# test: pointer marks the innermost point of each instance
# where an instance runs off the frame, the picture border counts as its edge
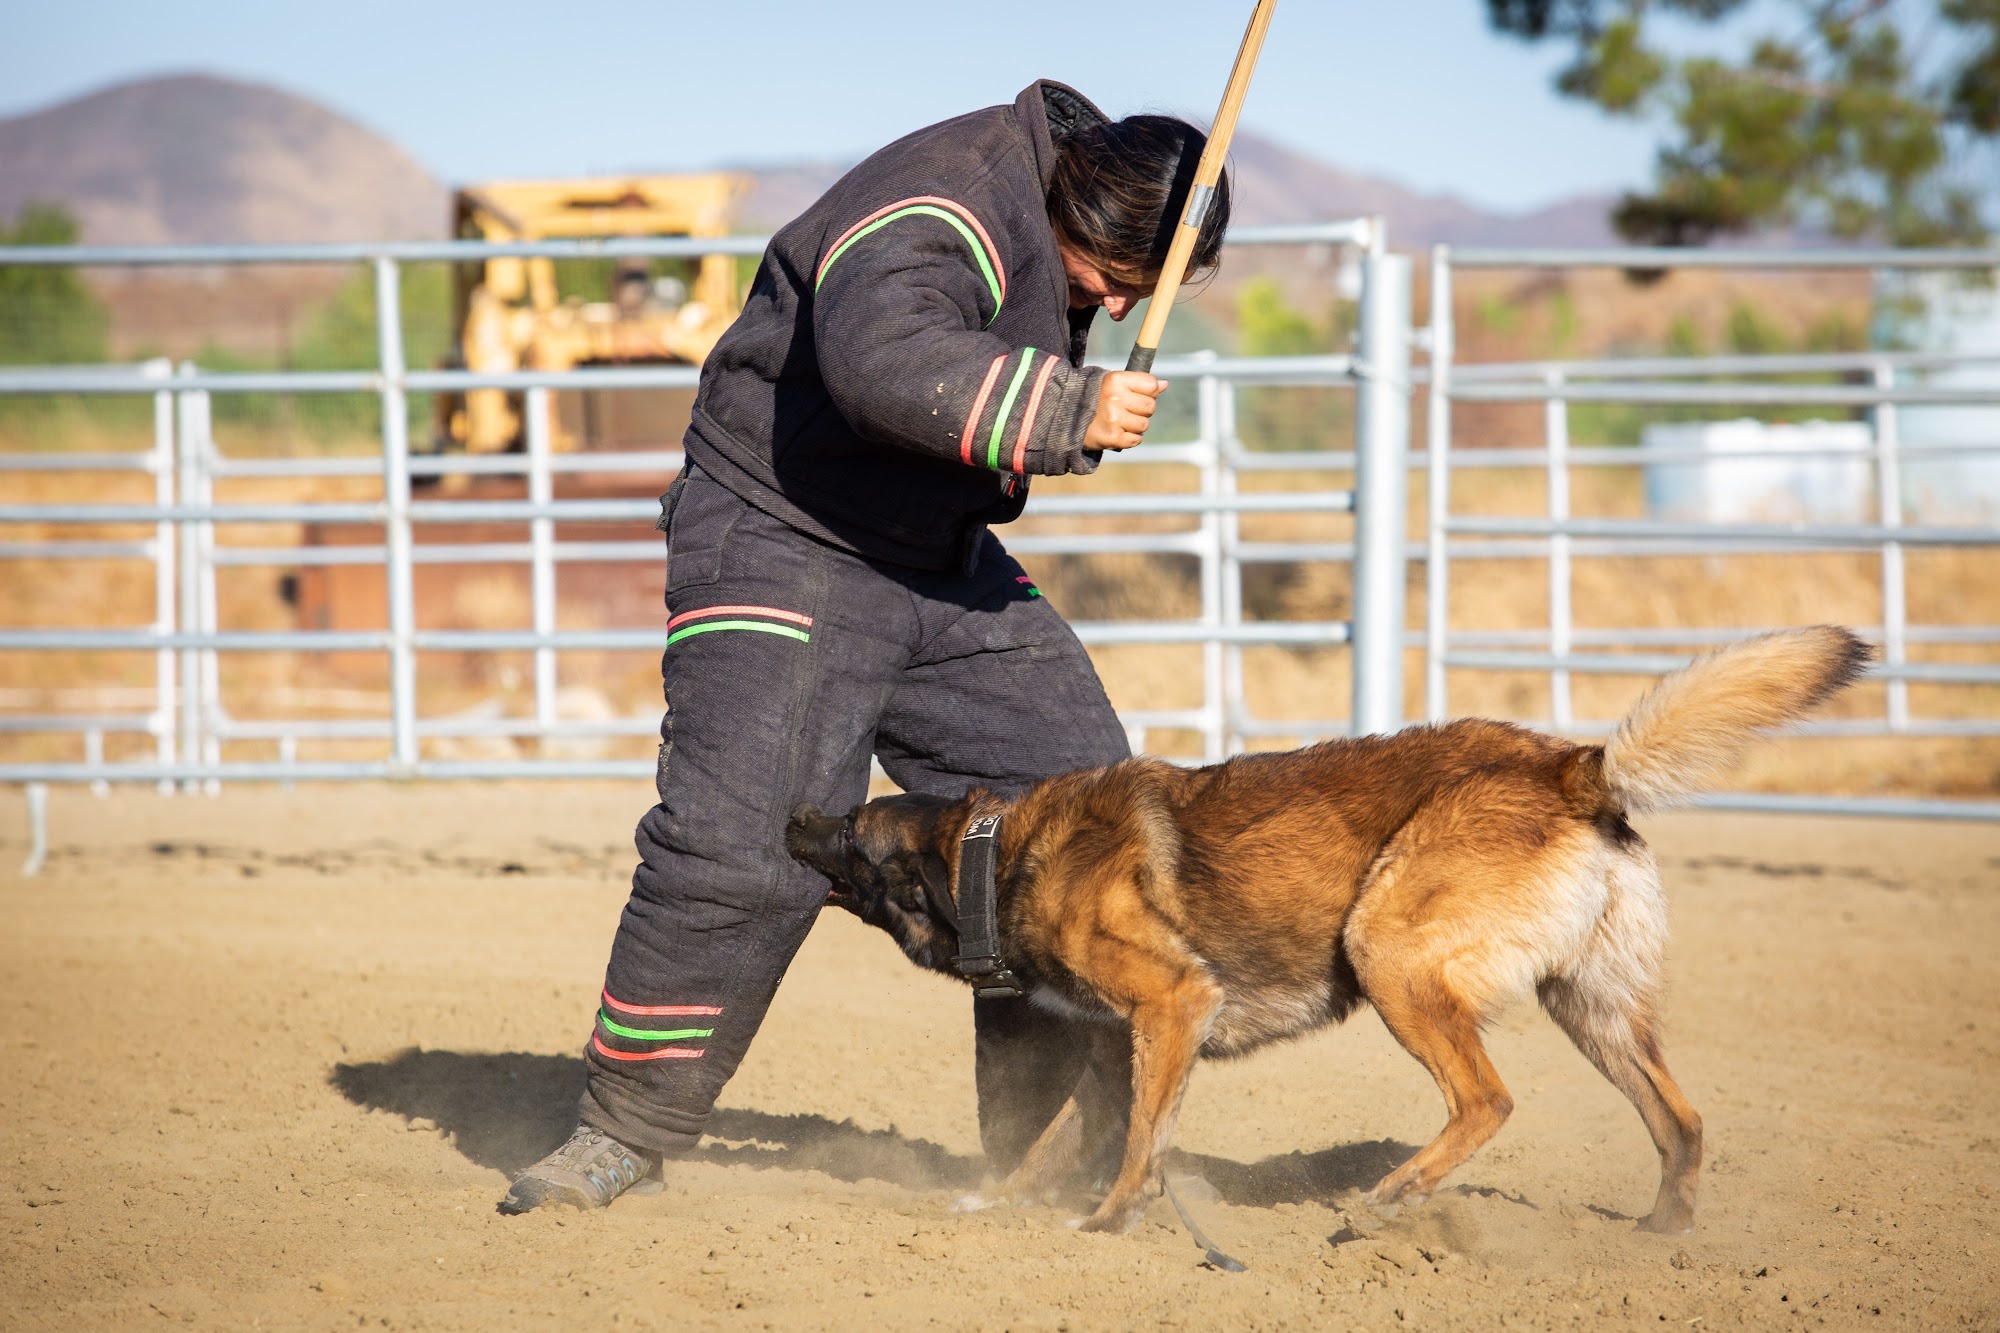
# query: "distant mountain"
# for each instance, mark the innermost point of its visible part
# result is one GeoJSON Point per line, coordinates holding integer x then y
{"type": "Point", "coordinates": [781, 193]}
{"type": "Point", "coordinates": [1277, 185]}
{"type": "Point", "coordinates": [196, 159]}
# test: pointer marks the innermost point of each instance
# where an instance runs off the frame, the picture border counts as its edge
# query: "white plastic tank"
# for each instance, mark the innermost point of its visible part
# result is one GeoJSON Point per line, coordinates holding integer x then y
{"type": "Point", "coordinates": [1761, 472]}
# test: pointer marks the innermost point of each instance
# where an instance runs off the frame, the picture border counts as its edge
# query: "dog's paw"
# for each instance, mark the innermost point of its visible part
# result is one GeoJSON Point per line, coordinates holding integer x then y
{"type": "Point", "coordinates": [1668, 1224]}
{"type": "Point", "coordinates": [1391, 1197]}
{"type": "Point", "coordinates": [1118, 1221]}
{"type": "Point", "coordinates": [1357, 1220]}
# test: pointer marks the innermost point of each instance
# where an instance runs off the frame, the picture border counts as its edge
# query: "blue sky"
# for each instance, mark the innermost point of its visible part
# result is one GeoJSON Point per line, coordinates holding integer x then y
{"type": "Point", "coordinates": [1417, 90]}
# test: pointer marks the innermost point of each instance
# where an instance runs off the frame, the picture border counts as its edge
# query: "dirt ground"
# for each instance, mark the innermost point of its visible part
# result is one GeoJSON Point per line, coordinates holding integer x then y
{"type": "Point", "coordinates": [270, 1058]}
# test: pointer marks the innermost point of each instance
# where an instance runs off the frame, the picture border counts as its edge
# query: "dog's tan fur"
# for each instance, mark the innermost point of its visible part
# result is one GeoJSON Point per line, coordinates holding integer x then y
{"type": "Point", "coordinates": [1438, 874]}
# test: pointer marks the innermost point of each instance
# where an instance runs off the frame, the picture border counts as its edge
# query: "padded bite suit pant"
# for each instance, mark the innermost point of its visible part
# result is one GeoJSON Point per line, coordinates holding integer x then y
{"type": "Point", "coordinates": [788, 663]}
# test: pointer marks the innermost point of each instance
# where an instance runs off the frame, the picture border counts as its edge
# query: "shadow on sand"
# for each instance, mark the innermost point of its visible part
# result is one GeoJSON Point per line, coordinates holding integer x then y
{"type": "Point", "coordinates": [506, 1110]}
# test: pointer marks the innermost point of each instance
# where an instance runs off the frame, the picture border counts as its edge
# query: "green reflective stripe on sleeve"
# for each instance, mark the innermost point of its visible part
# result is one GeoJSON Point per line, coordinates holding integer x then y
{"type": "Point", "coordinates": [641, 1034]}
{"type": "Point", "coordinates": [761, 626]}
{"type": "Point", "coordinates": [1007, 406]}
{"type": "Point", "coordinates": [958, 224]}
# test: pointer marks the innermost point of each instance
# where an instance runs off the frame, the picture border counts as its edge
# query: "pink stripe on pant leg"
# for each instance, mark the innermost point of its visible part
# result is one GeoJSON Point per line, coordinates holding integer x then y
{"type": "Point", "coordinates": [667, 1010]}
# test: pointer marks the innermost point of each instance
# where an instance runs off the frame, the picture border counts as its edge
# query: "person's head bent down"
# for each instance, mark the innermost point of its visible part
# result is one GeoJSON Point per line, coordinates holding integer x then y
{"type": "Point", "coordinates": [1115, 201]}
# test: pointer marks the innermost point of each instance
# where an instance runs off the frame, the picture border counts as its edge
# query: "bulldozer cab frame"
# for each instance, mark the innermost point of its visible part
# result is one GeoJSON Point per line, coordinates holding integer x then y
{"type": "Point", "coordinates": [513, 313]}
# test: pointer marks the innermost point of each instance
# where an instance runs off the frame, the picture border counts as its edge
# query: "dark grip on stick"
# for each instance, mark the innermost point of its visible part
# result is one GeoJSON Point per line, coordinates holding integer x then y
{"type": "Point", "coordinates": [1141, 359]}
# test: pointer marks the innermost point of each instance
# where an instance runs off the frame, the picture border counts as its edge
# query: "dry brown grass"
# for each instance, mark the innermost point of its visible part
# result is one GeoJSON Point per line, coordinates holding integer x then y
{"type": "Point", "coordinates": [1945, 587]}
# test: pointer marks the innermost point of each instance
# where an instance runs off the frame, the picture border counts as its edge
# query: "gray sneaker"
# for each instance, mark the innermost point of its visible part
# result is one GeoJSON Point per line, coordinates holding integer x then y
{"type": "Point", "coordinates": [589, 1171]}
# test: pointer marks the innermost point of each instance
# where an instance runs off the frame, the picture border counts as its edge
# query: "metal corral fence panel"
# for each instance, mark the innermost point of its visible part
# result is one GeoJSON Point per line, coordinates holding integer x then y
{"type": "Point", "coordinates": [1562, 649]}
{"type": "Point", "coordinates": [196, 740]}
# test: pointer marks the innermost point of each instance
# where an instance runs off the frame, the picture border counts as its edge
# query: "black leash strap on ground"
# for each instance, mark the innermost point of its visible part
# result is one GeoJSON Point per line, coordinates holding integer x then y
{"type": "Point", "coordinates": [1210, 1253]}
{"type": "Point", "coordinates": [978, 959]}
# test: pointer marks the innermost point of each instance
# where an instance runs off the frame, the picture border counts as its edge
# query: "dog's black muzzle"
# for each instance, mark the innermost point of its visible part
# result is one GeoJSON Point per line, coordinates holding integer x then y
{"type": "Point", "coordinates": [821, 841]}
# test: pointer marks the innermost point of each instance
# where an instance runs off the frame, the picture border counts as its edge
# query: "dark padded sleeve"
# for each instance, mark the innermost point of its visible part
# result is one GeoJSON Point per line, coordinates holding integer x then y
{"type": "Point", "coordinates": [899, 315]}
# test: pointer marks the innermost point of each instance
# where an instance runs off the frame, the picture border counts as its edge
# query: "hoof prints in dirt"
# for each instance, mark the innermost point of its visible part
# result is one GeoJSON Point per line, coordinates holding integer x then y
{"type": "Point", "coordinates": [505, 1111]}
{"type": "Point", "coordinates": [1794, 870]}
{"type": "Point", "coordinates": [384, 857]}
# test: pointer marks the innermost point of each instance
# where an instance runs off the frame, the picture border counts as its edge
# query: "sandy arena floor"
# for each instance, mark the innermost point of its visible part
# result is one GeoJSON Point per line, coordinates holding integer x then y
{"type": "Point", "coordinates": [270, 1058]}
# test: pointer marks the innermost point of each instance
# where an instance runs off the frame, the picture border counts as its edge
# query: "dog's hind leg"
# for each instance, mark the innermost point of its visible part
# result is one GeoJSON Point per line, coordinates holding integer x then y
{"type": "Point", "coordinates": [1482, 894]}
{"type": "Point", "coordinates": [1619, 1039]}
{"type": "Point", "coordinates": [1447, 929]}
{"type": "Point", "coordinates": [1605, 1002]}
{"type": "Point", "coordinates": [1442, 1032]}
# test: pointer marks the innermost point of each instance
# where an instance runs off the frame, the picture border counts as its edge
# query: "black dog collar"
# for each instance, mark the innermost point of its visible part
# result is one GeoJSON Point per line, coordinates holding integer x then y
{"type": "Point", "coordinates": [978, 958]}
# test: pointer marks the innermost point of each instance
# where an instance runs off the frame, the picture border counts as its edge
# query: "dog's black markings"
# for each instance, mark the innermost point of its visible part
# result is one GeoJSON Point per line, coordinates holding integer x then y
{"type": "Point", "coordinates": [978, 957]}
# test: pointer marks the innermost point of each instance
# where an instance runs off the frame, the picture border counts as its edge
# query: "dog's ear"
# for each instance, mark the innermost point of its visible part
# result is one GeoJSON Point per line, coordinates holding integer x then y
{"type": "Point", "coordinates": [936, 872]}
{"type": "Point", "coordinates": [946, 820]}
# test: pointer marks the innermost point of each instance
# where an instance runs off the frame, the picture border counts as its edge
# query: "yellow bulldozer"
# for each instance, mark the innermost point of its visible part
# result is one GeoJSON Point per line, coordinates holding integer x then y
{"type": "Point", "coordinates": [512, 314]}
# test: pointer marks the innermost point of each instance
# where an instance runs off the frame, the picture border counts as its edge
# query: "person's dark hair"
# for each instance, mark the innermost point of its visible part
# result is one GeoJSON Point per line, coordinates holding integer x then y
{"type": "Point", "coordinates": [1118, 191]}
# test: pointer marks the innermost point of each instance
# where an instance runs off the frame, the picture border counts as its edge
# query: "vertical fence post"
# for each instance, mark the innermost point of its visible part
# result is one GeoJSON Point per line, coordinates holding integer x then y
{"type": "Point", "coordinates": [1437, 489]}
{"type": "Point", "coordinates": [1889, 513]}
{"type": "Point", "coordinates": [188, 569]}
{"type": "Point", "coordinates": [541, 554]}
{"type": "Point", "coordinates": [206, 620]}
{"type": "Point", "coordinates": [38, 829]}
{"type": "Point", "coordinates": [1230, 447]}
{"type": "Point", "coordinates": [164, 737]}
{"type": "Point", "coordinates": [396, 516]}
{"type": "Point", "coordinates": [1214, 712]}
{"type": "Point", "coordinates": [1555, 439]}
{"type": "Point", "coordinates": [93, 757]}
{"type": "Point", "coordinates": [1381, 493]}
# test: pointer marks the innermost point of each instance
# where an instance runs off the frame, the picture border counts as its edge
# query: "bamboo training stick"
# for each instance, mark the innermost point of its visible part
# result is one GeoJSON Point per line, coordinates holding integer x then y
{"type": "Point", "coordinates": [1206, 173]}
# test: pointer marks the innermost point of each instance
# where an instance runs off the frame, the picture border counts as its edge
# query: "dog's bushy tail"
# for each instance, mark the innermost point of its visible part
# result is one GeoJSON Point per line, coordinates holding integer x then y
{"type": "Point", "coordinates": [1694, 726]}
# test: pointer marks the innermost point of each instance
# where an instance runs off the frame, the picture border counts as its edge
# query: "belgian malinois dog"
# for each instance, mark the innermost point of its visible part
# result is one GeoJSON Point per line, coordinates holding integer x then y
{"type": "Point", "coordinates": [1437, 874]}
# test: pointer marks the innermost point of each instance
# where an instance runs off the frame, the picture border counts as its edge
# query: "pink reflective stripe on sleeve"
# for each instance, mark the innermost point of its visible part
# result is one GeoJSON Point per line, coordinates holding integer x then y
{"type": "Point", "coordinates": [979, 407]}
{"type": "Point", "coordinates": [1027, 428]}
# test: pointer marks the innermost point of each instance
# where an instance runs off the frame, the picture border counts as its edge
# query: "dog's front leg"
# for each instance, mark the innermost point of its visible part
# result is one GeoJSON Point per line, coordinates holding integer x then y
{"type": "Point", "coordinates": [1168, 1028]}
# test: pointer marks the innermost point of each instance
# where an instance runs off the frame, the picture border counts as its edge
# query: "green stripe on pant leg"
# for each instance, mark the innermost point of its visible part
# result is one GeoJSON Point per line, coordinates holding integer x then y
{"type": "Point", "coordinates": [641, 1034]}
